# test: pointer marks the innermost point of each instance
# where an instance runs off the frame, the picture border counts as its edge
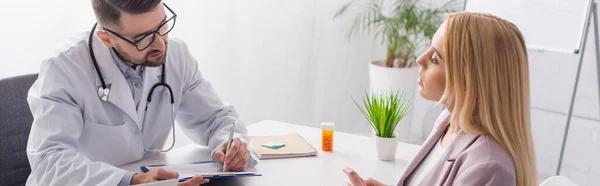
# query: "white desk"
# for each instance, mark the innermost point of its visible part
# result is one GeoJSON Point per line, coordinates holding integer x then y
{"type": "Point", "coordinates": [350, 150]}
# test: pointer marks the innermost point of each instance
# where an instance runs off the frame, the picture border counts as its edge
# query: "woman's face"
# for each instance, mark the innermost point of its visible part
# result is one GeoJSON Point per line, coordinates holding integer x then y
{"type": "Point", "coordinates": [432, 78]}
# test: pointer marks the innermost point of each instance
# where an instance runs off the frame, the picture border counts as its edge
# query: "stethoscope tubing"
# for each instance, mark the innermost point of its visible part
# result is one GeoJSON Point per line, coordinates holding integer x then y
{"type": "Point", "coordinates": [104, 91]}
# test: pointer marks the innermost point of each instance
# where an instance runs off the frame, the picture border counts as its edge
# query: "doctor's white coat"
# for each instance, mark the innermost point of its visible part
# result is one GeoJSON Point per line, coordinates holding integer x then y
{"type": "Point", "coordinates": [78, 139]}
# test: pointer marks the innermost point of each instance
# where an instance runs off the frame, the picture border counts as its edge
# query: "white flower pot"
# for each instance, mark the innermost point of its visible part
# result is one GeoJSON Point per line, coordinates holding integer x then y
{"type": "Point", "coordinates": [403, 79]}
{"type": "Point", "coordinates": [386, 148]}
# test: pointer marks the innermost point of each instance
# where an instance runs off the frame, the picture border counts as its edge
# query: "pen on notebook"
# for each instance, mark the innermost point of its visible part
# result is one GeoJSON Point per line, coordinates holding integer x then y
{"type": "Point", "coordinates": [228, 145]}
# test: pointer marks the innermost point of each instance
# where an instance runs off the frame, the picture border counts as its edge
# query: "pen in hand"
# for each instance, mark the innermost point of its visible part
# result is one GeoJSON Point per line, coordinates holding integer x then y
{"type": "Point", "coordinates": [228, 146]}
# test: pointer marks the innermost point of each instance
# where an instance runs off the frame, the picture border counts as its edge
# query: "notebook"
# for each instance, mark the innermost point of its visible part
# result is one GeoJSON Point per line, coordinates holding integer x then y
{"type": "Point", "coordinates": [295, 146]}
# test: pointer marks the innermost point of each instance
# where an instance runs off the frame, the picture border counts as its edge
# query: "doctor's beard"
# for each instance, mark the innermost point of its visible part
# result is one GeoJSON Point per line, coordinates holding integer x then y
{"type": "Point", "coordinates": [143, 62]}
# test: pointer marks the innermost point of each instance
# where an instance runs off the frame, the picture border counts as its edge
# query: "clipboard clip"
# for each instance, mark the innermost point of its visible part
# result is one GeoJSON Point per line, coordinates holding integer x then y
{"type": "Point", "coordinates": [216, 174]}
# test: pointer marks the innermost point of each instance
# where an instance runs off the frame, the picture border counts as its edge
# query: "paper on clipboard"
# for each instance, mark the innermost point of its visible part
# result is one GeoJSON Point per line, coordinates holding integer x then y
{"type": "Point", "coordinates": [208, 170]}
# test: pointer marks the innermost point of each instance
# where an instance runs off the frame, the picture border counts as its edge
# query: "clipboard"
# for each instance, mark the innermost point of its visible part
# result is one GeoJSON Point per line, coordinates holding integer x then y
{"type": "Point", "coordinates": [207, 169]}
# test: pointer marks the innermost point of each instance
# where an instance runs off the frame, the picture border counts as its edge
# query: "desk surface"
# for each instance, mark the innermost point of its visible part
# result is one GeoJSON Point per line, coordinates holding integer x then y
{"type": "Point", "coordinates": [350, 150]}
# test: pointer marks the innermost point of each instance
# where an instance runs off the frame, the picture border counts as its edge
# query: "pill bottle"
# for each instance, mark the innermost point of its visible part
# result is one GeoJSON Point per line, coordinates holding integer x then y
{"type": "Point", "coordinates": [327, 129]}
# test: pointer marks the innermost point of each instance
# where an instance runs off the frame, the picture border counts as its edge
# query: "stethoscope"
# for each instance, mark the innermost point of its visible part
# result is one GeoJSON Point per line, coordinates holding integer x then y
{"type": "Point", "coordinates": [104, 91]}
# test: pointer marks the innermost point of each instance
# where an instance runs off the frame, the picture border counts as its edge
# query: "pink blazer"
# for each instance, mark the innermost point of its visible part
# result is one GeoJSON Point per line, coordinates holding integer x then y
{"type": "Point", "coordinates": [469, 160]}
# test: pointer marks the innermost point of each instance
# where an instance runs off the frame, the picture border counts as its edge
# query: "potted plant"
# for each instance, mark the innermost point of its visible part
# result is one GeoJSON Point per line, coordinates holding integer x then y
{"type": "Point", "coordinates": [405, 27]}
{"type": "Point", "coordinates": [384, 110]}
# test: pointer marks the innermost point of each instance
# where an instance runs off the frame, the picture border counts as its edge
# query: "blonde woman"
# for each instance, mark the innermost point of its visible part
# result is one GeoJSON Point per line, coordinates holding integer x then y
{"type": "Point", "coordinates": [477, 67]}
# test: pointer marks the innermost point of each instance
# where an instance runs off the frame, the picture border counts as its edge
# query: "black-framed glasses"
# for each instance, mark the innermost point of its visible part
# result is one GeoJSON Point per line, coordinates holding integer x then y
{"type": "Point", "coordinates": [146, 39]}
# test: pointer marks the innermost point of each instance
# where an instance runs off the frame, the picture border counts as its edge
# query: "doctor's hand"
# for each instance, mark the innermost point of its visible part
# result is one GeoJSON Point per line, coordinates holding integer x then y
{"type": "Point", "coordinates": [157, 174]}
{"type": "Point", "coordinates": [356, 180]}
{"type": "Point", "coordinates": [237, 156]}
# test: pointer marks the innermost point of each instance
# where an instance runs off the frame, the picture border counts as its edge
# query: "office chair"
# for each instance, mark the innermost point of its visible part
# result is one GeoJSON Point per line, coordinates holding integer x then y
{"type": "Point", "coordinates": [15, 124]}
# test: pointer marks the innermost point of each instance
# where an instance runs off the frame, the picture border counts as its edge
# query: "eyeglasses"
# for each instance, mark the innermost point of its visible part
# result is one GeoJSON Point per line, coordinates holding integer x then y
{"type": "Point", "coordinates": [146, 39]}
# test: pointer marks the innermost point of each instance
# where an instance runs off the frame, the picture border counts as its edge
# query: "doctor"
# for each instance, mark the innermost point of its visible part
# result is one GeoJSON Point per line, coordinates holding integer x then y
{"type": "Point", "coordinates": [109, 98]}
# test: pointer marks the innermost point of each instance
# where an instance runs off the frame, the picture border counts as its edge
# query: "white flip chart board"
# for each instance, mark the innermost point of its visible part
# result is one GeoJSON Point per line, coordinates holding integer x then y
{"type": "Point", "coordinates": [554, 25]}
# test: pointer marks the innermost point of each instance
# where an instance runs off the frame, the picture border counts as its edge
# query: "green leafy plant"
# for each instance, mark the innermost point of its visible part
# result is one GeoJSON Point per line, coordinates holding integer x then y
{"type": "Point", "coordinates": [384, 111]}
{"type": "Point", "coordinates": [405, 27]}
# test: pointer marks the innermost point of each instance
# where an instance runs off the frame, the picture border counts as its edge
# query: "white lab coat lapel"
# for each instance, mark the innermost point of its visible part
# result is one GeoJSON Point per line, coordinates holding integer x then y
{"type": "Point", "coordinates": [151, 77]}
{"type": "Point", "coordinates": [120, 93]}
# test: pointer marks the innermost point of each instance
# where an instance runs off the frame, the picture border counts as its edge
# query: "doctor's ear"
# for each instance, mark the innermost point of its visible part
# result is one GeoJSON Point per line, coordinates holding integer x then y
{"type": "Point", "coordinates": [105, 38]}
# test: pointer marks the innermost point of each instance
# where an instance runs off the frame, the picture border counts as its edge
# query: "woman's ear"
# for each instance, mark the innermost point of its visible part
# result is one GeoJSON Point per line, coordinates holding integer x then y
{"type": "Point", "coordinates": [105, 38]}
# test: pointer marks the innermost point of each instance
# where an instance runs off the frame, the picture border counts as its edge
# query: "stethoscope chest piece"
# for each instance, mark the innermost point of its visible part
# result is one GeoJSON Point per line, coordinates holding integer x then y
{"type": "Point", "coordinates": [104, 92]}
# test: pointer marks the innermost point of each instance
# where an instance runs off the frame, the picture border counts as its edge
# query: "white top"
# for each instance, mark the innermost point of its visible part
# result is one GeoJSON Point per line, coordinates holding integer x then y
{"type": "Point", "coordinates": [355, 151]}
{"type": "Point", "coordinates": [328, 126]}
{"type": "Point", "coordinates": [427, 164]}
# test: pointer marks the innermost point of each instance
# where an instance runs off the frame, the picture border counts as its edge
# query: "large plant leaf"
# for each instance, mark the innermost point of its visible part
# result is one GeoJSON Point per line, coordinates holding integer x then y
{"type": "Point", "coordinates": [410, 24]}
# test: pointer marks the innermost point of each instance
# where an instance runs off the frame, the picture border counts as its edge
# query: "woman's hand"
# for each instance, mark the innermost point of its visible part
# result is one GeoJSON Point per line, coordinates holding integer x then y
{"type": "Point", "coordinates": [356, 180]}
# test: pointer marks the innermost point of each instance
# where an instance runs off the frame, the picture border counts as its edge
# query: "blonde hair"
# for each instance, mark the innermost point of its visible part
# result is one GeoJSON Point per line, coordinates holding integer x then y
{"type": "Point", "coordinates": [487, 85]}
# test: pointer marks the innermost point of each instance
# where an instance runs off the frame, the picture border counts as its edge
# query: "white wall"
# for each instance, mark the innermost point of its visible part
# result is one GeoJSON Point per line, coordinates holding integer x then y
{"type": "Point", "coordinates": [31, 29]}
{"type": "Point", "coordinates": [552, 81]}
{"type": "Point", "coordinates": [290, 61]}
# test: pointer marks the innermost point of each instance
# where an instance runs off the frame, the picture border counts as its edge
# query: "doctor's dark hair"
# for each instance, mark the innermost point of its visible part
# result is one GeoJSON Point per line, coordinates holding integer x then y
{"type": "Point", "coordinates": [108, 12]}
